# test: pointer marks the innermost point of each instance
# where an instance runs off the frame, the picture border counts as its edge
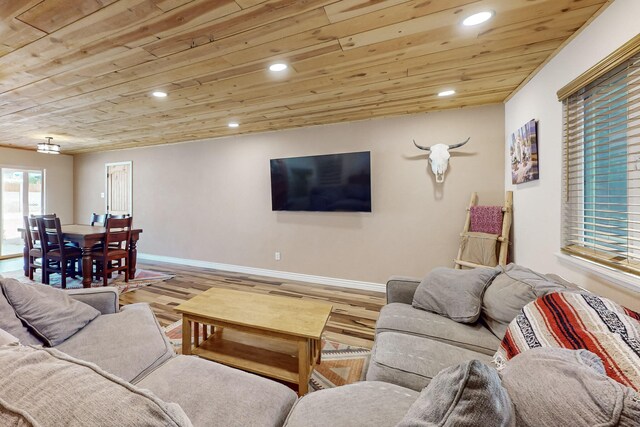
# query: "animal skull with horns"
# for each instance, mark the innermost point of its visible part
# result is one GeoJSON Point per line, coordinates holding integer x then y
{"type": "Point", "coordinates": [439, 157]}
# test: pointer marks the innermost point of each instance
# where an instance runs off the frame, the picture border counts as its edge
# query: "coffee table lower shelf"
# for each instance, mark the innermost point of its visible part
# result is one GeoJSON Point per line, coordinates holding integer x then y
{"type": "Point", "coordinates": [289, 359]}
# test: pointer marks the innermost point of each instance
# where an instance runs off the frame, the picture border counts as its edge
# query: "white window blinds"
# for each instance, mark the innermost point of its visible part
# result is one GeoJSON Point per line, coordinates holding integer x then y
{"type": "Point", "coordinates": [601, 203]}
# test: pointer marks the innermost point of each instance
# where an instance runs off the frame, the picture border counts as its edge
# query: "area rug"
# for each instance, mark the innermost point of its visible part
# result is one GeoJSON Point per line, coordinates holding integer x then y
{"type": "Point", "coordinates": [143, 278]}
{"type": "Point", "coordinates": [341, 364]}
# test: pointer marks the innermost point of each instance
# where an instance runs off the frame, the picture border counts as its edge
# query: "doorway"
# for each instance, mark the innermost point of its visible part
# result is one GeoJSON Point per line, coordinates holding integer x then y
{"type": "Point", "coordinates": [119, 185]}
{"type": "Point", "coordinates": [22, 195]}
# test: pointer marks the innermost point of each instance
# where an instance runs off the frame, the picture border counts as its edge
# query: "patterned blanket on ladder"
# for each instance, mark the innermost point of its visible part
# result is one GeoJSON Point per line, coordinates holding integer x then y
{"type": "Point", "coordinates": [579, 320]}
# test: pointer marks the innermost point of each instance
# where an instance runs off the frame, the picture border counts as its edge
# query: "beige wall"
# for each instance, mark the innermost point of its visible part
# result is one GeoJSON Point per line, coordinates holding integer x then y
{"type": "Point", "coordinates": [537, 205]}
{"type": "Point", "coordinates": [58, 177]}
{"type": "Point", "coordinates": [210, 200]}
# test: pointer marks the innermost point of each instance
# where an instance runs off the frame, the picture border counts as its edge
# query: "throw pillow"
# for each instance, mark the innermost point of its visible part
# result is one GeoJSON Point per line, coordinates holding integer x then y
{"type": "Point", "coordinates": [50, 388]}
{"type": "Point", "coordinates": [10, 323]}
{"type": "Point", "coordinates": [560, 387]}
{"type": "Point", "coordinates": [456, 294]}
{"type": "Point", "coordinates": [511, 290]}
{"type": "Point", "coordinates": [49, 312]}
{"type": "Point", "coordinates": [7, 339]}
{"type": "Point", "coordinates": [469, 394]}
{"type": "Point", "coordinates": [578, 320]}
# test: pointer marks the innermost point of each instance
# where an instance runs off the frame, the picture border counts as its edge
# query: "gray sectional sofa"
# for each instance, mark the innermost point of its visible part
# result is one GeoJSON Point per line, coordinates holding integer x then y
{"type": "Point", "coordinates": [425, 368]}
{"type": "Point", "coordinates": [130, 345]}
{"type": "Point", "coordinates": [414, 345]}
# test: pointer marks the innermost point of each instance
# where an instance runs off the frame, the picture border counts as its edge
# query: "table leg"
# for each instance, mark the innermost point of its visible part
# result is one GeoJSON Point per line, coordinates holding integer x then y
{"type": "Point", "coordinates": [186, 336]}
{"type": "Point", "coordinates": [133, 258]}
{"type": "Point", "coordinates": [196, 334]}
{"type": "Point", "coordinates": [303, 367]}
{"type": "Point", "coordinates": [87, 266]}
{"type": "Point", "coordinates": [205, 334]}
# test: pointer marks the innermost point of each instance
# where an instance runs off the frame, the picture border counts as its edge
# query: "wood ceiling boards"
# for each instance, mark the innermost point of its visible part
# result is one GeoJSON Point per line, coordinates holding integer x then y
{"type": "Point", "coordinates": [82, 71]}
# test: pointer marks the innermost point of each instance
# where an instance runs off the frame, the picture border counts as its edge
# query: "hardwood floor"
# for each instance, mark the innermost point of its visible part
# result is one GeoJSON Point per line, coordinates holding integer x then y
{"type": "Point", "coordinates": [352, 320]}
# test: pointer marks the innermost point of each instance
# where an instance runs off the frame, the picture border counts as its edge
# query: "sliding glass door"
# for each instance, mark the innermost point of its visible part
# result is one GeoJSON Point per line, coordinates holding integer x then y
{"type": "Point", "coordinates": [22, 194]}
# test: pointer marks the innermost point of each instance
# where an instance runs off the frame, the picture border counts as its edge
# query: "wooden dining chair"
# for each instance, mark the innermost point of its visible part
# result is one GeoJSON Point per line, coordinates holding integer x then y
{"type": "Point", "coordinates": [33, 245]}
{"type": "Point", "coordinates": [114, 254]}
{"type": "Point", "coordinates": [118, 217]}
{"type": "Point", "coordinates": [98, 219]}
{"type": "Point", "coordinates": [56, 256]}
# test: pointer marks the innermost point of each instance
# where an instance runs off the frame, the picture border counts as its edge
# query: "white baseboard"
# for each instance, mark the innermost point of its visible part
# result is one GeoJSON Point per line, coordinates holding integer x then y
{"type": "Point", "coordinates": [298, 277]}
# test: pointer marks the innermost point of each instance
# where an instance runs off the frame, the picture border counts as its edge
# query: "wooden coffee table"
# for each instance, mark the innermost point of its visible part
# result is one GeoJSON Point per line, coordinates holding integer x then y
{"type": "Point", "coordinates": [273, 336]}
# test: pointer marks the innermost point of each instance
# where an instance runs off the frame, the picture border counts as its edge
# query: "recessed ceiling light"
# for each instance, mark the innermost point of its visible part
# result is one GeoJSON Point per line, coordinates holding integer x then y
{"type": "Point", "coordinates": [477, 18]}
{"type": "Point", "coordinates": [159, 94]}
{"type": "Point", "coordinates": [233, 124]}
{"type": "Point", "coordinates": [446, 93]}
{"type": "Point", "coordinates": [278, 66]}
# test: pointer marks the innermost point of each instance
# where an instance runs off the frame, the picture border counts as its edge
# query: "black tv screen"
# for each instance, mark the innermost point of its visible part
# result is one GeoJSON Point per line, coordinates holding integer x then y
{"type": "Point", "coordinates": [334, 182]}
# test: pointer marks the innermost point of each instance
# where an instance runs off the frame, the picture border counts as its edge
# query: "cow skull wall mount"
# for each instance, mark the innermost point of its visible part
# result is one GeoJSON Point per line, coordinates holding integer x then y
{"type": "Point", "coordinates": [439, 157]}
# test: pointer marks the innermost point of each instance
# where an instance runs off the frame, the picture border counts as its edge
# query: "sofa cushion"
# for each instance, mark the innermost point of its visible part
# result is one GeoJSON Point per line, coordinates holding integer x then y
{"type": "Point", "coordinates": [467, 395]}
{"type": "Point", "coordinates": [411, 361]}
{"type": "Point", "coordinates": [7, 339]}
{"type": "Point", "coordinates": [10, 323]}
{"type": "Point", "coordinates": [48, 388]}
{"type": "Point", "coordinates": [403, 318]}
{"type": "Point", "coordinates": [50, 313]}
{"type": "Point", "coordinates": [456, 294]}
{"type": "Point", "coordinates": [214, 394]}
{"type": "Point", "coordinates": [128, 344]}
{"type": "Point", "coordinates": [579, 320]}
{"type": "Point", "coordinates": [367, 403]}
{"type": "Point", "coordinates": [560, 387]}
{"type": "Point", "coordinates": [511, 290]}
{"type": "Point", "coordinates": [11, 416]}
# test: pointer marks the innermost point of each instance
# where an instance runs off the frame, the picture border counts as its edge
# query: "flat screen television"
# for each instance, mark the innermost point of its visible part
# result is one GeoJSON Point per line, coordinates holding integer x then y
{"type": "Point", "coordinates": [327, 183]}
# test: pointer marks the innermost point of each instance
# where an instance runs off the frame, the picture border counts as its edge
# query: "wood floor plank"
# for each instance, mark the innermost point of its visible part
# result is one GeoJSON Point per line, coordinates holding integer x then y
{"type": "Point", "coordinates": [352, 320]}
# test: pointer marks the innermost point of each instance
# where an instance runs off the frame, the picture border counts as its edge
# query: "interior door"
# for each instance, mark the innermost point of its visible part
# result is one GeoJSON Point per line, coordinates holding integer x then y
{"type": "Point", "coordinates": [22, 194]}
{"type": "Point", "coordinates": [119, 188]}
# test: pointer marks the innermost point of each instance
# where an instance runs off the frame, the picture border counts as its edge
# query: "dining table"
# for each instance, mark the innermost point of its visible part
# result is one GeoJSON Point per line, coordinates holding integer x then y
{"type": "Point", "coordinates": [86, 237]}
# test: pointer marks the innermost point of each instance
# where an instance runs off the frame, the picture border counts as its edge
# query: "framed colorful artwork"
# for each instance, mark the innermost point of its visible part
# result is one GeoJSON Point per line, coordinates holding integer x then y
{"type": "Point", "coordinates": [523, 149]}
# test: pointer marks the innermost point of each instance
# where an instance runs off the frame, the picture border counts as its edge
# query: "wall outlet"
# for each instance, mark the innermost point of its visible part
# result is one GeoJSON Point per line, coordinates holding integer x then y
{"type": "Point", "coordinates": [277, 256]}
{"type": "Point", "coordinates": [102, 195]}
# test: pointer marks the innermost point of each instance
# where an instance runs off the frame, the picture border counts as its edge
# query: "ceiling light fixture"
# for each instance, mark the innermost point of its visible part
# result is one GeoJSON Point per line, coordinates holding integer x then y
{"type": "Point", "coordinates": [159, 94]}
{"type": "Point", "coordinates": [478, 18]}
{"type": "Point", "coordinates": [233, 124]}
{"type": "Point", "coordinates": [48, 147]}
{"type": "Point", "coordinates": [446, 93]}
{"type": "Point", "coordinates": [278, 66]}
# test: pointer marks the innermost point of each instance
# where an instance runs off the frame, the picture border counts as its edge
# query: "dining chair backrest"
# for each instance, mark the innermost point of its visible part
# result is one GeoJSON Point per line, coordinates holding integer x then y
{"type": "Point", "coordinates": [98, 219]}
{"type": "Point", "coordinates": [118, 216]}
{"type": "Point", "coordinates": [118, 231]}
{"type": "Point", "coordinates": [50, 234]}
{"type": "Point", "coordinates": [43, 216]}
{"type": "Point", "coordinates": [31, 233]}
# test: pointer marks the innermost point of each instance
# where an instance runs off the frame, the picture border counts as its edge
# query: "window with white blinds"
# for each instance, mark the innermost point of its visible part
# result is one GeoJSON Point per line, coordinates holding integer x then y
{"type": "Point", "coordinates": [601, 208]}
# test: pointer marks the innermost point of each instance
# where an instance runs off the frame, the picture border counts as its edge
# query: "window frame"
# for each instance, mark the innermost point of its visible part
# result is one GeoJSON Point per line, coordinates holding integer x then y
{"type": "Point", "coordinates": [587, 84]}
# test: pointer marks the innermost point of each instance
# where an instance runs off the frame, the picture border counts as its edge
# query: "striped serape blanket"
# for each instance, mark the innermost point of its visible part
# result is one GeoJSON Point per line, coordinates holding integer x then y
{"type": "Point", "coordinates": [579, 320]}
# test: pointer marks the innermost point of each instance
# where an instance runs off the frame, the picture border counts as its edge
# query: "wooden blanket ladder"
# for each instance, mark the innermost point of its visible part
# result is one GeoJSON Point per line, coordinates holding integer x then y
{"type": "Point", "coordinates": [482, 249]}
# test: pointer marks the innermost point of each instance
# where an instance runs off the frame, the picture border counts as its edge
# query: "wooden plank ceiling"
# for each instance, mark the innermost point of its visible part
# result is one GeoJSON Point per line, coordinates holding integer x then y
{"type": "Point", "coordinates": [82, 71]}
